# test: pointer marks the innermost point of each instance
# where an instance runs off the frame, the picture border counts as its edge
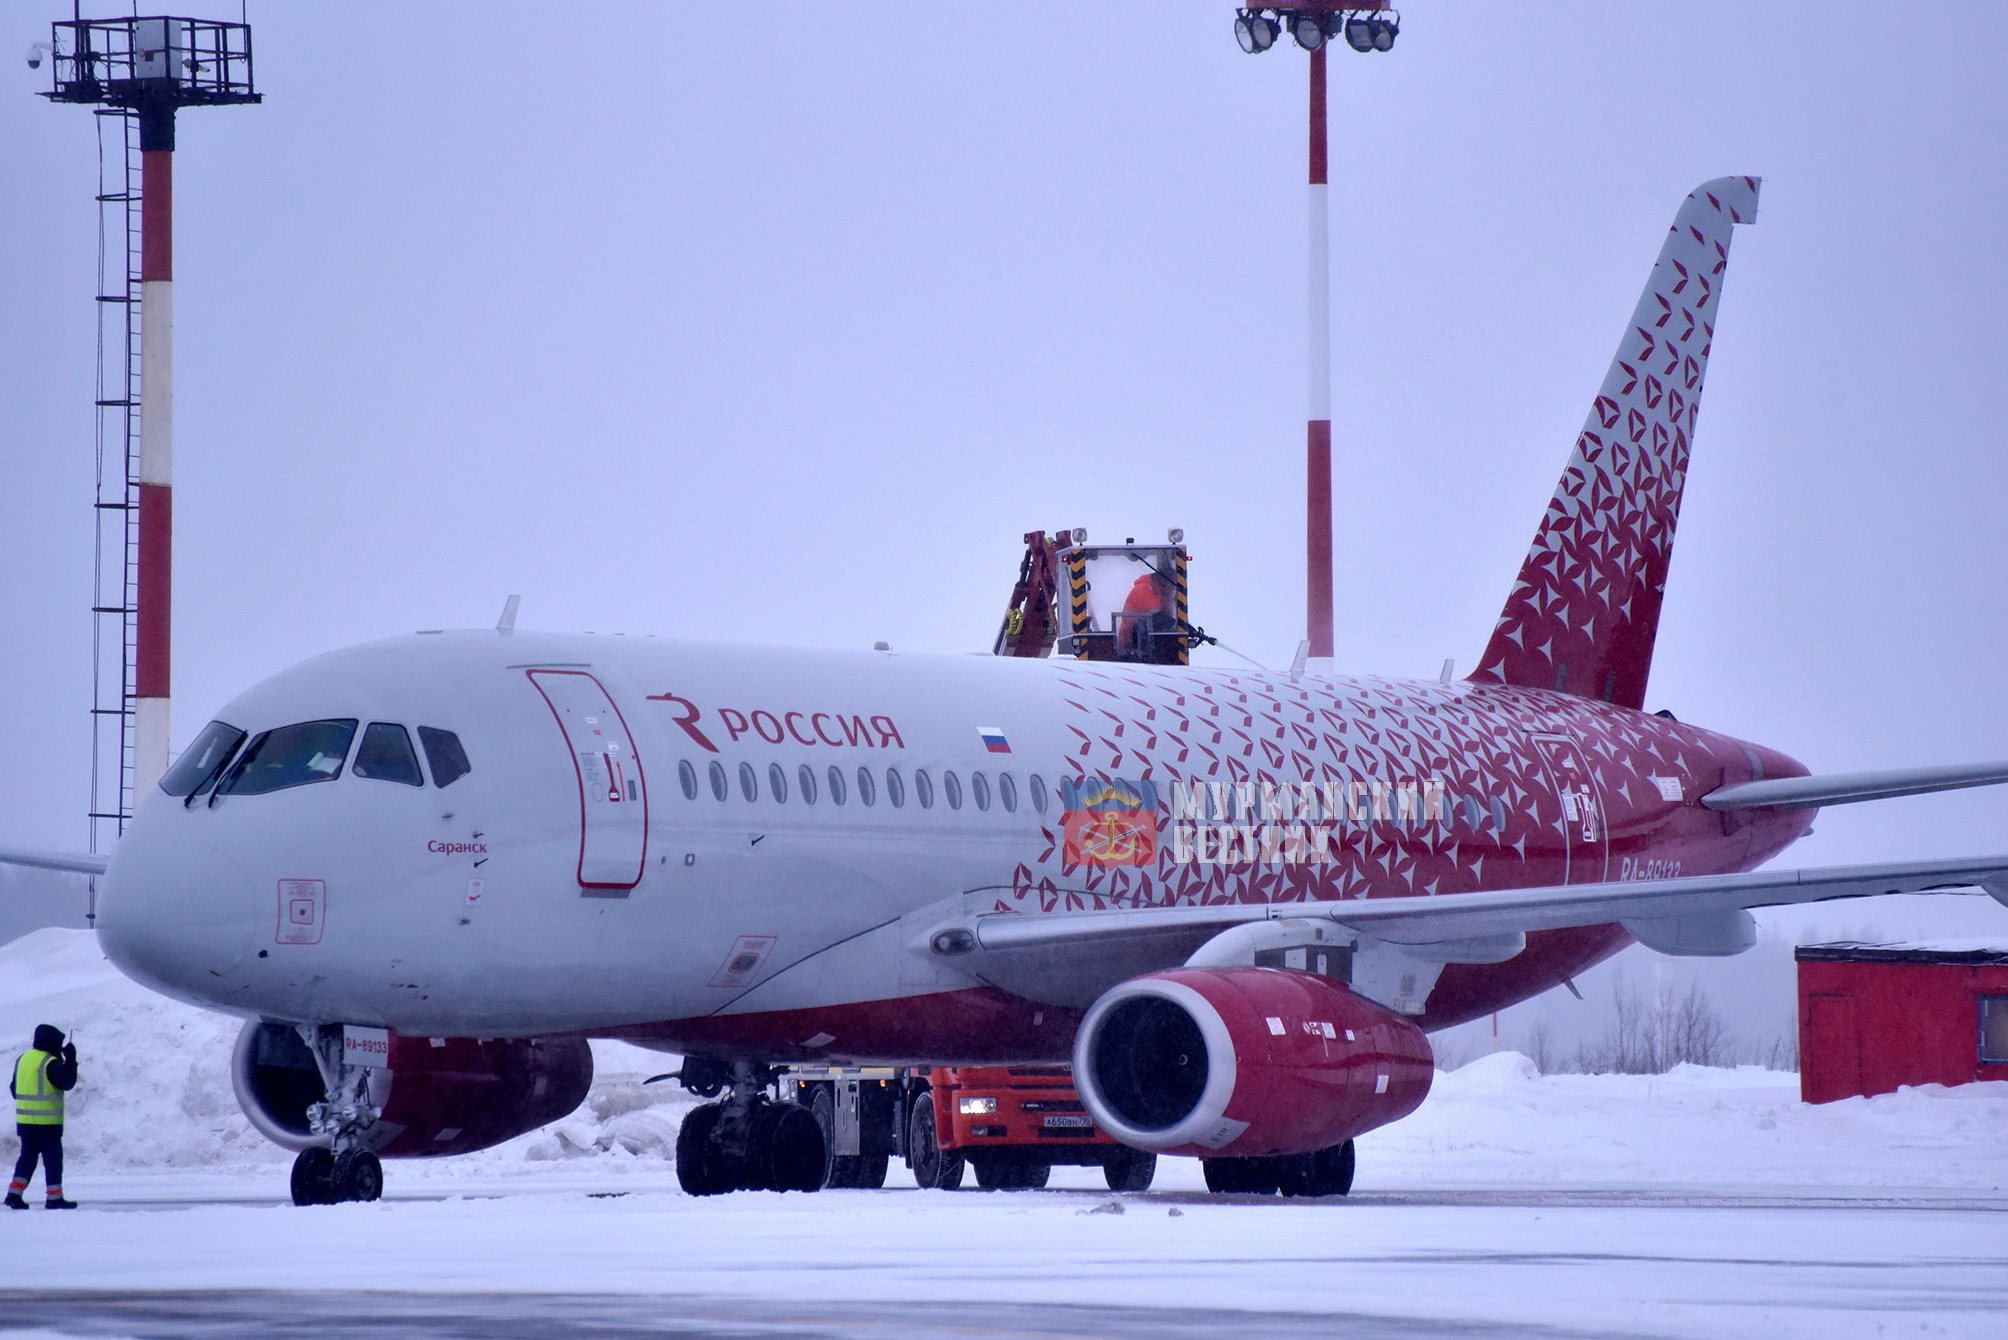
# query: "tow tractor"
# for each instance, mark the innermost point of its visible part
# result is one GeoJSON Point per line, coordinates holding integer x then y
{"type": "Point", "coordinates": [1009, 1124]}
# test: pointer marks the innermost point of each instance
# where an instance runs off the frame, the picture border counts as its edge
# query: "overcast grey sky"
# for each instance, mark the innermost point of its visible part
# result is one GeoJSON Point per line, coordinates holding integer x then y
{"type": "Point", "coordinates": [783, 325]}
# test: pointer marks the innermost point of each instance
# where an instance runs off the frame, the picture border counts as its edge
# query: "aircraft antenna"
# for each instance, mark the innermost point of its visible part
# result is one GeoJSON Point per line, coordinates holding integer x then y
{"type": "Point", "coordinates": [137, 73]}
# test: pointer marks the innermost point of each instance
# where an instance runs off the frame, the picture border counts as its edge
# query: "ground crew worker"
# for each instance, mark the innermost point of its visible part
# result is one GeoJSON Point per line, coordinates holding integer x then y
{"type": "Point", "coordinates": [41, 1076]}
{"type": "Point", "coordinates": [1146, 612]}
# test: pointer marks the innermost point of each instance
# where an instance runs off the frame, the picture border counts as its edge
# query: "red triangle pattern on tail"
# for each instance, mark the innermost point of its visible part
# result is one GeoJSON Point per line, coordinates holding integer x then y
{"type": "Point", "coordinates": [1583, 614]}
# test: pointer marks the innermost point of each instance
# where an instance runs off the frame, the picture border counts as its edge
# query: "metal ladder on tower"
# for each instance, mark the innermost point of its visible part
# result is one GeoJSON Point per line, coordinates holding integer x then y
{"type": "Point", "coordinates": [115, 579]}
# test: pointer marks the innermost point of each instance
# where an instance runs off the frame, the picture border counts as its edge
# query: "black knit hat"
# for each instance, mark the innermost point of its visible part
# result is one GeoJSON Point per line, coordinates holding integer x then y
{"type": "Point", "coordinates": [48, 1038]}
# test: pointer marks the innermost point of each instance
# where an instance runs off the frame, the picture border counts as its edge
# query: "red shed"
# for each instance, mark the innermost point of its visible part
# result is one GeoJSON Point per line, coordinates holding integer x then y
{"type": "Point", "coordinates": [1875, 1017]}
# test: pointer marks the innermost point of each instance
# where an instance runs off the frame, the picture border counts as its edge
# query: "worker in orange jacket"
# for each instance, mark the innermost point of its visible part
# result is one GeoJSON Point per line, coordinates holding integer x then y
{"type": "Point", "coordinates": [1146, 611]}
{"type": "Point", "coordinates": [42, 1075]}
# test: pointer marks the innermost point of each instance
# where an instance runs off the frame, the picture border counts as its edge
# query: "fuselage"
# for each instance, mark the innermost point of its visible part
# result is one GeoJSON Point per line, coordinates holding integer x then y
{"type": "Point", "coordinates": [732, 849]}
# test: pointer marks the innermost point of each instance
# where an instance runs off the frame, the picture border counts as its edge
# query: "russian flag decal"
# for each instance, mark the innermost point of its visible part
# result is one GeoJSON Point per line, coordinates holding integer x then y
{"type": "Point", "coordinates": [993, 740]}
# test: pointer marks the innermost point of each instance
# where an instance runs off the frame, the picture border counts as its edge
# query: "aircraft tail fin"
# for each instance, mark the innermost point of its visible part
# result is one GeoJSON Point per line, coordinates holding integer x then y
{"type": "Point", "coordinates": [1584, 611]}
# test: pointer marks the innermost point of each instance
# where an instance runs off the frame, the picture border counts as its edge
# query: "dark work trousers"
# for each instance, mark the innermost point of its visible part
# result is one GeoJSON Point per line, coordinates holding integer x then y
{"type": "Point", "coordinates": [44, 1143]}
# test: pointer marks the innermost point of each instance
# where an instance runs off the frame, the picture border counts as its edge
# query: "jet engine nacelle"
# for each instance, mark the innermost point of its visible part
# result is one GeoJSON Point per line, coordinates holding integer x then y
{"type": "Point", "coordinates": [1243, 1062]}
{"type": "Point", "coordinates": [451, 1096]}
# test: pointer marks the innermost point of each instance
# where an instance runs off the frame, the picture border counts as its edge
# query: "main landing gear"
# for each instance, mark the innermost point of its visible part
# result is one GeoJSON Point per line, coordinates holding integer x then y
{"type": "Point", "coordinates": [749, 1141]}
{"type": "Point", "coordinates": [343, 1169]}
{"type": "Point", "coordinates": [1328, 1172]}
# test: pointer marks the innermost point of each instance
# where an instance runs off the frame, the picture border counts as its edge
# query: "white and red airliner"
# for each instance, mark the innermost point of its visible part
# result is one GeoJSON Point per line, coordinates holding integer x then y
{"type": "Point", "coordinates": [426, 870]}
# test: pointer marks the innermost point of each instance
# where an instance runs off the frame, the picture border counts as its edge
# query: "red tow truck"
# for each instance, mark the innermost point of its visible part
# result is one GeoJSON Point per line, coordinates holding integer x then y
{"type": "Point", "coordinates": [1010, 1124]}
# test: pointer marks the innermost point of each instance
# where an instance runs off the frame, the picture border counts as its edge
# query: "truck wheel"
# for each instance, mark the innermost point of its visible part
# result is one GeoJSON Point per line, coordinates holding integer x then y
{"type": "Point", "coordinates": [839, 1170]}
{"type": "Point", "coordinates": [934, 1168]}
{"type": "Point", "coordinates": [1130, 1170]}
{"type": "Point", "coordinates": [871, 1172]}
{"type": "Point", "coordinates": [1010, 1170]}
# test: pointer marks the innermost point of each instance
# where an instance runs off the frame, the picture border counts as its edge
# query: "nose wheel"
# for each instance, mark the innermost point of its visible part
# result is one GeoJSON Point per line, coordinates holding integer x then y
{"type": "Point", "coordinates": [323, 1177]}
{"type": "Point", "coordinates": [341, 1170]}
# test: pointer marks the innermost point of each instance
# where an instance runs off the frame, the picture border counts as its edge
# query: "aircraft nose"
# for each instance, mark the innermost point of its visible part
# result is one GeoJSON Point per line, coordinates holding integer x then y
{"type": "Point", "coordinates": [175, 914]}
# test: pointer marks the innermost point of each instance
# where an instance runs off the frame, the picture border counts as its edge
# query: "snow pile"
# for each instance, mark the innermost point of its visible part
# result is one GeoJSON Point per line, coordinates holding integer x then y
{"type": "Point", "coordinates": [1499, 1121]}
{"type": "Point", "coordinates": [155, 1085]}
{"type": "Point", "coordinates": [155, 1092]}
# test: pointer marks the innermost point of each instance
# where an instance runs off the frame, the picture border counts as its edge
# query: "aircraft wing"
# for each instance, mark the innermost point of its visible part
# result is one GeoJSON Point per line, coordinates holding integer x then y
{"type": "Point", "coordinates": [1844, 788]}
{"type": "Point", "coordinates": [83, 863]}
{"type": "Point", "coordinates": [1063, 956]}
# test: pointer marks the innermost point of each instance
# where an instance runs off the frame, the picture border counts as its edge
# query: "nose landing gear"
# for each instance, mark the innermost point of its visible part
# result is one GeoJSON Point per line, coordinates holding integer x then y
{"type": "Point", "coordinates": [344, 1169]}
{"type": "Point", "coordinates": [749, 1142]}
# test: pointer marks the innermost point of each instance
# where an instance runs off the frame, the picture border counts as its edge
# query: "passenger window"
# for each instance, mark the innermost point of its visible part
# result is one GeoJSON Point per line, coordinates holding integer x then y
{"type": "Point", "coordinates": [386, 755]}
{"type": "Point", "coordinates": [923, 788]}
{"type": "Point", "coordinates": [806, 779]}
{"type": "Point", "coordinates": [749, 782]}
{"type": "Point", "coordinates": [312, 751]}
{"type": "Point", "coordinates": [979, 790]}
{"type": "Point", "coordinates": [443, 752]}
{"type": "Point", "coordinates": [895, 789]}
{"type": "Point", "coordinates": [1037, 786]}
{"type": "Point", "coordinates": [687, 775]}
{"type": "Point", "coordinates": [951, 790]}
{"type": "Point", "coordinates": [777, 783]}
{"type": "Point", "coordinates": [836, 785]}
{"type": "Point", "coordinates": [202, 762]}
{"type": "Point", "coordinates": [719, 785]}
{"type": "Point", "coordinates": [867, 790]}
{"type": "Point", "coordinates": [1007, 792]}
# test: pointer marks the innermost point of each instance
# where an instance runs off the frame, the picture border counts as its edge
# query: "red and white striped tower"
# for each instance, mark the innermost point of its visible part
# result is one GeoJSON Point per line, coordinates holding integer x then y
{"type": "Point", "coordinates": [155, 587]}
{"type": "Point", "coordinates": [149, 68]}
{"type": "Point", "coordinates": [1318, 430]}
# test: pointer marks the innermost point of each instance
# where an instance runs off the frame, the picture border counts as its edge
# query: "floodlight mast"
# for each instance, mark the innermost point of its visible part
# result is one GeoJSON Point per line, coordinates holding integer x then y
{"type": "Point", "coordinates": [146, 69]}
{"type": "Point", "coordinates": [1314, 24]}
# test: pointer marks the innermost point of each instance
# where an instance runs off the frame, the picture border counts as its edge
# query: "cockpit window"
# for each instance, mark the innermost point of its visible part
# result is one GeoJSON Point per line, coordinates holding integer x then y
{"type": "Point", "coordinates": [202, 762]}
{"type": "Point", "coordinates": [443, 752]}
{"type": "Point", "coordinates": [386, 755]}
{"type": "Point", "coordinates": [312, 751]}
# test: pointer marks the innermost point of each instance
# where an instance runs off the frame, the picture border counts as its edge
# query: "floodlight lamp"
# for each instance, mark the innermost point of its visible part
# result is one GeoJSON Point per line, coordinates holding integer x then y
{"type": "Point", "coordinates": [1310, 34]}
{"type": "Point", "coordinates": [1176, 535]}
{"type": "Point", "coordinates": [1255, 33]}
{"type": "Point", "coordinates": [1385, 31]}
{"type": "Point", "coordinates": [1360, 34]}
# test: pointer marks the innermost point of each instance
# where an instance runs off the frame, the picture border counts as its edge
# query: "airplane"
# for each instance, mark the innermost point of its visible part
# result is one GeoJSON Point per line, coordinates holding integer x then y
{"type": "Point", "coordinates": [427, 870]}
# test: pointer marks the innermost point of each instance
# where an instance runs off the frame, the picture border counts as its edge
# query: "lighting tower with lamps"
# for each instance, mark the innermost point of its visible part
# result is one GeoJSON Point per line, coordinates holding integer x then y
{"type": "Point", "coordinates": [139, 72]}
{"type": "Point", "coordinates": [1365, 26]}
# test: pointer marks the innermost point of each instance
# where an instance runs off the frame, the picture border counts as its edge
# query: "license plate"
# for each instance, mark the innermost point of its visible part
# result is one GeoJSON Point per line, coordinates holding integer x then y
{"type": "Point", "coordinates": [1072, 1121]}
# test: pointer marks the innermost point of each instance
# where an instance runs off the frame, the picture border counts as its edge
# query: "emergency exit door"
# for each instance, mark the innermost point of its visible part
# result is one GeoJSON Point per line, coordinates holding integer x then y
{"type": "Point", "coordinates": [1582, 808]}
{"type": "Point", "coordinates": [613, 795]}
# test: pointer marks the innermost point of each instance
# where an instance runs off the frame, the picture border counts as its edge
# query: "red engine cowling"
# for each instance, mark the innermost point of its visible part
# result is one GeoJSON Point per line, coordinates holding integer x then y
{"type": "Point", "coordinates": [1245, 1062]}
{"type": "Point", "coordinates": [448, 1097]}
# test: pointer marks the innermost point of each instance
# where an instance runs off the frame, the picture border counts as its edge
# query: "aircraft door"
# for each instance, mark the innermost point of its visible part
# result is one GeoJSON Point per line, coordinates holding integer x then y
{"type": "Point", "coordinates": [1582, 808]}
{"type": "Point", "coordinates": [613, 795]}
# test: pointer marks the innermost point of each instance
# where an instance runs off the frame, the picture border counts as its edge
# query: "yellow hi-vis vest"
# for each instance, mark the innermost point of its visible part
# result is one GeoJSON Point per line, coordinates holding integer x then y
{"type": "Point", "coordinates": [36, 1101]}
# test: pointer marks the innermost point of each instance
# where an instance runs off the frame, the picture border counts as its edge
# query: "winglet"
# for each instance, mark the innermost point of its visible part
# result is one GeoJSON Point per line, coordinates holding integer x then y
{"type": "Point", "coordinates": [506, 625]}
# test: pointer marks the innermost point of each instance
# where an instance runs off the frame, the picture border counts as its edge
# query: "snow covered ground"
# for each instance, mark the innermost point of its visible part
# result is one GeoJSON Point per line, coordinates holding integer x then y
{"type": "Point", "coordinates": [1703, 1202]}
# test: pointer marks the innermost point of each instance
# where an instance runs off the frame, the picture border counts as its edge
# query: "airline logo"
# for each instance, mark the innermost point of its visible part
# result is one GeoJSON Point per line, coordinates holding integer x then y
{"type": "Point", "coordinates": [1108, 822]}
{"type": "Point", "coordinates": [993, 739]}
{"type": "Point", "coordinates": [836, 729]}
